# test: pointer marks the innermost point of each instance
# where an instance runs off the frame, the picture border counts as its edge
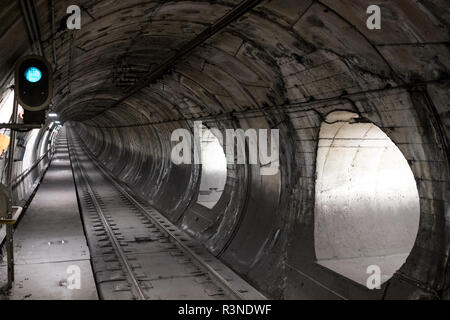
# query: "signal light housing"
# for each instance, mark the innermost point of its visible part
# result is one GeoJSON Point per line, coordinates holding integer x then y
{"type": "Point", "coordinates": [33, 87]}
{"type": "Point", "coordinates": [33, 83]}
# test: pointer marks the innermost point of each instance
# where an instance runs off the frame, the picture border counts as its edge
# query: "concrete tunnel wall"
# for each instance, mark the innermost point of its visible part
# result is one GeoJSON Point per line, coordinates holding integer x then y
{"type": "Point", "coordinates": [35, 144]}
{"type": "Point", "coordinates": [286, 64]}
{"type": "Point", "coordinates": [37, 153]}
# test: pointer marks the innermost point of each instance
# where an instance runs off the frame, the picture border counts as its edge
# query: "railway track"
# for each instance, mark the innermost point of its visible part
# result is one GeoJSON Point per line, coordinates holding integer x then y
{"type": "Point", "coordinates": [139, 254]}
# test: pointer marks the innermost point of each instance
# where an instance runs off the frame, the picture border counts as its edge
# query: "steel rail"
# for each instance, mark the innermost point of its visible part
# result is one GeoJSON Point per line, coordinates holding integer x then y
{"type": "Point", "coordinates": [114, 241]}
{"type": "Point", "coordinates": [223, 283]}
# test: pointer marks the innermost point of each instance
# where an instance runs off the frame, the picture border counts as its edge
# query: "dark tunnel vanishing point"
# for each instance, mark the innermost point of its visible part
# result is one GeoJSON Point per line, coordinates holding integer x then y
{"type": "Point", "coordinates": [363, 119]}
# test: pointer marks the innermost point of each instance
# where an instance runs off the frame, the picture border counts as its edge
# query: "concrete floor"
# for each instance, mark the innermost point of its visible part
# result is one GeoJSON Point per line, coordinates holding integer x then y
{"type": "Point", "coordinates": [50, 238]}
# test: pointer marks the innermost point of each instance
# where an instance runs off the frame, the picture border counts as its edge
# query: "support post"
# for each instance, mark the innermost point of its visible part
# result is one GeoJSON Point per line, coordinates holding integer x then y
{"type": "Point", "coordinates": [9, 227]}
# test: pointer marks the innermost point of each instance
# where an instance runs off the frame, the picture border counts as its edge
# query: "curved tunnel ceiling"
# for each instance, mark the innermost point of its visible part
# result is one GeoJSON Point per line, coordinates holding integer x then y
{"type": "Point", "coordinates": [247, 65]}
{"type": "Point", "coordinates": [136, 70]}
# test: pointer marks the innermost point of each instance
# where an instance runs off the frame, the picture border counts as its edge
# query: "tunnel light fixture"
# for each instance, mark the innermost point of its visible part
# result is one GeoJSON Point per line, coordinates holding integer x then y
{"type": "Point", "coordinates": [53, 115]}
{"type": "Point", "coordinates": [57, 122]}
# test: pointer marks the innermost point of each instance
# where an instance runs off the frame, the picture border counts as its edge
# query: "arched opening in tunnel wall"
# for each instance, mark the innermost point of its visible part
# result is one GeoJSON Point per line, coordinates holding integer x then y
{"type": "Point", "coordinates": [213, 169]}
{"type": "Point", "coordinates": [6, 106]}
{"type": "Point", "coordinates": [30, 150]}
{"type": "Point", "coordinates": [367, 204]}
{"type": "Point", "coordinates": [25, 152]}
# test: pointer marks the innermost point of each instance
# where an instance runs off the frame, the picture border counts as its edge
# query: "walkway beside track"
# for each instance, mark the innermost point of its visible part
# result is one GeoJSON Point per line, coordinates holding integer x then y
{"type": "Point", "coordinates": [49, 243]}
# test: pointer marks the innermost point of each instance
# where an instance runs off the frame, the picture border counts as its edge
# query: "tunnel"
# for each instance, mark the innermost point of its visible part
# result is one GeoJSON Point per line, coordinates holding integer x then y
{"type": "Point", "coordinates": [357, 115]}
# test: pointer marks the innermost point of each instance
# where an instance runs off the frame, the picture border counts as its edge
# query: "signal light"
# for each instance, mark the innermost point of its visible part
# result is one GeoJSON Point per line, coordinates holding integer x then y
{"type": "Point", "coordinates": [33, 87]}
{"type": "Point", "coordinates": [33, 74]}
